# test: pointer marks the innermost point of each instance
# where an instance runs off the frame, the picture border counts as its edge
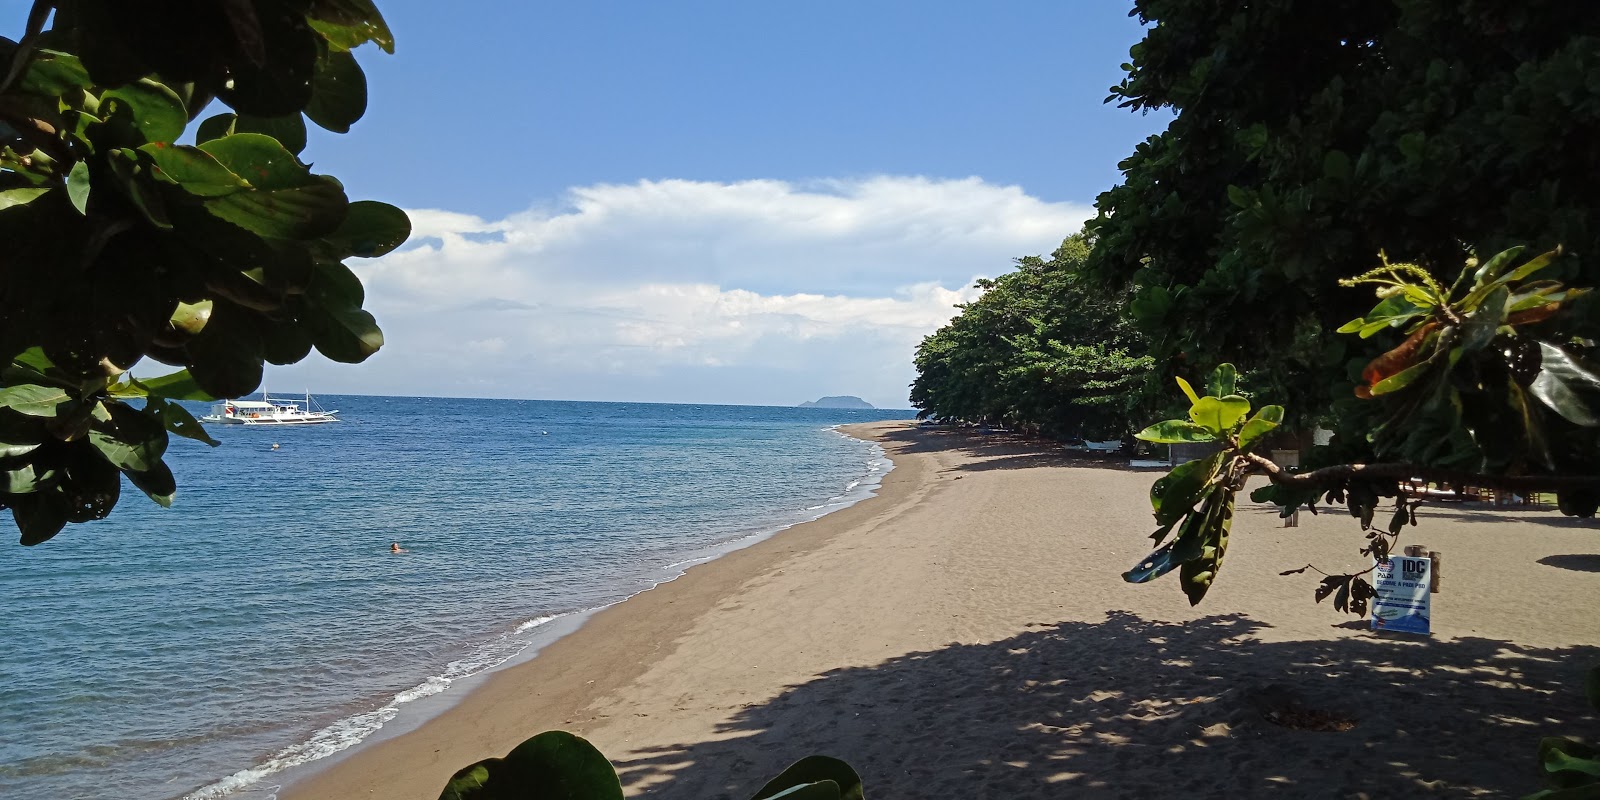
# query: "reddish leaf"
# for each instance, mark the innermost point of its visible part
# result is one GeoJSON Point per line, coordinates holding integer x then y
{"type": "Point", "coordinates": [1394, 361]}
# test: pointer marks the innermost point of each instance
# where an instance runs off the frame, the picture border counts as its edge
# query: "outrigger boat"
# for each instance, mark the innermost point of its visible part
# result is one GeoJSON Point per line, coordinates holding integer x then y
{"type": "Point", "coordinates": [269, 411]}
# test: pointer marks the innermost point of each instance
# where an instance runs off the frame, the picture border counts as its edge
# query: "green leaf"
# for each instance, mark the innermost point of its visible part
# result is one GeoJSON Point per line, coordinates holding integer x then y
{"type": "Point", "coordinates": [1401, 379]}
{"type": "Point", "coordinates": [305, 212]}
{"type": "Point", "coordinates": [1494, 266]}
{"type": "Point", "coordinates": [555, 765]}
{"type": "Point", "coordinates": [812, 771]}
{"type": "Point", "coordinates": [345, 335]}
{"type": "Point", "coordinates": [38, 518]}
{"type": "Point", "coordinates": [14, 449]}
{"type": "Point", "coordinates": [370, 229]}
{"type": "Point", "coordinates": [338, 93]}
{"type": "Point", "coordinates": [347, 24]}
{"type": "Point", "coordinates": [1175, 494]}
{"type": "Point", "coordinates": [1561, 383]}
{"type": "Point", "coordinates": [1176, 431]}
{"type": "Point", "coordinates": [179, 385]}
{"type": "Point", "coordinates": [156, 111]}
{"type": "Point", "coordinates": [21, 196]}
{"type": "Point", "coordinates": [52, 73]}
{"type": "Point", "coordinates": [33, 400]}
{"type": "Point", "coordinates": [1219, 414]}
{"type": "Point", "coordinates": [261, 160]}
{"type": "Point", "coordinates": [214, 127]}
{"type": "Point", "coordinates": [1188, 391]}
{"type": "Point", "coordinates": [1263, 423]}
{"type": "Point", "coordinates": [78, 187]}
{"type": "Point", "coordinates": [1479, 327]}
{"type": "Point", "coordinates": [1239, 197]}
{"type": "Point", "coordinates": [1538, 262]}
{"type": "Point", "coordinates": [26, 479]}
{"type": "Point", "coordinates": [1221, 382]}
{"type": "Point", "coordinates": [194, 170]}
{"type": "Point", "coordinates": [289, 130]}
{"type": "Point", "coordinates": [133, 441]}
{"type": "Point", "coordinates": [157, 483]}
{"type": "Point", "coordinates": [177, 419]}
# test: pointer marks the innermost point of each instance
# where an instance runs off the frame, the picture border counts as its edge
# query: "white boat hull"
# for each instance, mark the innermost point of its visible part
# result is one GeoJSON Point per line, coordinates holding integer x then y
{"type": "Point", "coordinates": [264, 421]}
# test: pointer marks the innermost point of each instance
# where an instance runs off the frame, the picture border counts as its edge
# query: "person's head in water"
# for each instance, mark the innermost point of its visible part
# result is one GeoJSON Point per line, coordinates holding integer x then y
{"type": "Point", "coordinates": [394, 547]}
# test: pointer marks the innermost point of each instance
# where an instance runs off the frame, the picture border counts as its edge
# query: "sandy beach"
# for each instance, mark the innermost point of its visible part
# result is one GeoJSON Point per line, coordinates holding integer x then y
{"type": "Point", "coordinates": [966, 633]}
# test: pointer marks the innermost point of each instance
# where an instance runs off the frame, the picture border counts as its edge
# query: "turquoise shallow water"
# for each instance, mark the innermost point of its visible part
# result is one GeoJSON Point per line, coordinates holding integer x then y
{"type": "Point", "coordinates": [261, 623]}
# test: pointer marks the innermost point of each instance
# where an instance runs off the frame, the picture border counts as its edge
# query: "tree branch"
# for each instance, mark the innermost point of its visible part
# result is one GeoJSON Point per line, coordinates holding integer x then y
{"type": "Point", "coordinates": [1328, 477]}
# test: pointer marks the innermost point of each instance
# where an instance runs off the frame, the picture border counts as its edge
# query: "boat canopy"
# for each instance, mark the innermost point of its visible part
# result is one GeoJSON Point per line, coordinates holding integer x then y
{"type": "Point", "coordinates": [251, 404]}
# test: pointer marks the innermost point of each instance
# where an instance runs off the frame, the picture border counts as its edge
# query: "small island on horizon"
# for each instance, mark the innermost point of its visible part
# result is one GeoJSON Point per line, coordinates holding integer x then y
{"type": "Point", "coordinates": [839, 401]}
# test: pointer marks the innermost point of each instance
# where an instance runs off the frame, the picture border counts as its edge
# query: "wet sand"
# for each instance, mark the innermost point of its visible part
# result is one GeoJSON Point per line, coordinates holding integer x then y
{"type": "Point", "coordinates": [966, 633]}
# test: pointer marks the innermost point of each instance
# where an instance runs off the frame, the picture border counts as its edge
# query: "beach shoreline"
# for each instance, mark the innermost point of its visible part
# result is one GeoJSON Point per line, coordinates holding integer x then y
{"type": "Point", "coordinates": [966, 632]}
{"type": "Point", "coordinates": [328, 776]}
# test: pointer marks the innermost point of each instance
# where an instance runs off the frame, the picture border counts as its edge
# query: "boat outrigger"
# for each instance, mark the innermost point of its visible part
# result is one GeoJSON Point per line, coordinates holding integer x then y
{"type": "Point", "coordinates": [269, 411]}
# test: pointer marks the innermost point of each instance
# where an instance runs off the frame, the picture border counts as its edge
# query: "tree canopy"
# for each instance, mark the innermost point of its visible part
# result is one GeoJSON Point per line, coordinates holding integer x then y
{"type": "Point", "coordinates": [125, 245]}
{"type": "Point", "coordinates": [1320, 150]}
{"type": "Point", "coordinates": [1044, 349]}
{"type": "Point", "coordinates": [1311, 135]}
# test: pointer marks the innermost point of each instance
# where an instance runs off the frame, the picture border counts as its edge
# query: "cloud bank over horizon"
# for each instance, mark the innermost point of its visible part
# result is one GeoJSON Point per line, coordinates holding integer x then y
{"type": "Point", "coordinates": [756, 292]}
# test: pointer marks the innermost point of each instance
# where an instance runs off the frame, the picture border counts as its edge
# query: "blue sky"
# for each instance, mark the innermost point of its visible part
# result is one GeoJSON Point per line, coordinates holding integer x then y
{"type": "Point", "coordinates": [711, 202]}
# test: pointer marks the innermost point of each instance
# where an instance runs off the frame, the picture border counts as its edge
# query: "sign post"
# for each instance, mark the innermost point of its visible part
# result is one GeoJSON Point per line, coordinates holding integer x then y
{"type": "Point", "coordinates": [1402, 603]}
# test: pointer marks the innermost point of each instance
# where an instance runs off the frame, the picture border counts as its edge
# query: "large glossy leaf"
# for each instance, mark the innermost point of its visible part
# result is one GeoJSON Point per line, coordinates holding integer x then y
{"type": "Point", "coordinates": [1401, 379]}
{"type": "Point", "coordinates": [811, 771]}
{"type": "Point", "coordinates": [349, 23]}
{"type": "Point", "coordinates": [303, 212]}
{"type": "Point", "coordinates": [1174, 494]}
{"type": "Point", "coordinates": [1188, 391]}
{"type": "Point", "coordinates": [339, 93]}
{"type": "Point", "coordinates": [192, 169]}
{"type": "Point", "coordinates": [132, 441]}
{"type": "Point", "coordinates": [1492, 268]}
{"type": "Point", "coordinates": [177, 419]}
{"type": "Point", "coordinates": [52, 73]}
{"type": "Point", "coordinates": [1563, 383]}
{"type": "Point", "coordinates": [1176, 431]}
{"type": "Point", "coordinates": [21, 196]}
{"type": "Point", "coordinates": [78, 187]}
{"type": "Point", "coordinates": [39, 517]}
{"type": "Point", "coordinates": [555, 765]}
{"type": "Point", "coordinates": [25, 479]}
{"type": "Point", "coordinates": [1222, 379]}
{"type": "Point", "coordinates": [34, 400]}
{"type": "Point", "coordinates": [1264, 422]}
{"type": "Point", "coordinates": [259, 159]}
{"type": "Point", "coordinates": [1479, 328]}
{"type": "Point", "coordinates": [157, 483]}
{"type": "Point", "coordinates": [346, 335]}
{"type": "Point", "coordinates": [1197, 574]}
{"type": "Point", "coordinates": [1219, 414]}
{"type": "Point", "coordinates": [370, 229]}
{"type": "Point", "coordinates": [156, 111]}
{"type": "Point", "coordinates": [288, 129]}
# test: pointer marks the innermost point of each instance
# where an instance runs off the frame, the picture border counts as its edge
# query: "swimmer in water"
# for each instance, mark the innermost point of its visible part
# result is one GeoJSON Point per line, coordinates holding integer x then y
{"type": "Point", "coordinates": [394, 547]}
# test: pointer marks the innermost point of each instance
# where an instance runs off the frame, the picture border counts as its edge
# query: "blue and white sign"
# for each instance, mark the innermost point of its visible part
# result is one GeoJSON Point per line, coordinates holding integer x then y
{"type": "Point", "coordinates": [1402, 601]}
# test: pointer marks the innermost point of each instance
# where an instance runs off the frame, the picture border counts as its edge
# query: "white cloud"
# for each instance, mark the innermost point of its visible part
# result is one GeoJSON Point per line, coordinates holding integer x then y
{"type": "Point", "coordinates": [752, 292]}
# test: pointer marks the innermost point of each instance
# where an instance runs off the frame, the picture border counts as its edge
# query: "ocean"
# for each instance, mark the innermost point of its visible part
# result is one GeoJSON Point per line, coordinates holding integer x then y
{"type": "Point", "coordinates": [261, 623]}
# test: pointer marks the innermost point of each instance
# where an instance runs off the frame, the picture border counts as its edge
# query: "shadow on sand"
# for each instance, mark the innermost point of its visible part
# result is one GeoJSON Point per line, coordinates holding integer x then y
{"type": "Point", "coordinates": [1133, 708]}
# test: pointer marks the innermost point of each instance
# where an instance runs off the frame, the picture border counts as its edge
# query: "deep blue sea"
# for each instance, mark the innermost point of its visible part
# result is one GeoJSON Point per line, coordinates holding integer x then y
{"type": "Point", "coordinates": [261, 622]}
